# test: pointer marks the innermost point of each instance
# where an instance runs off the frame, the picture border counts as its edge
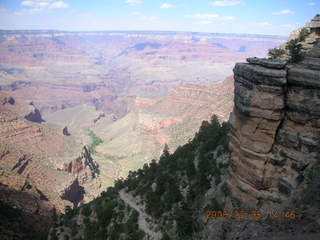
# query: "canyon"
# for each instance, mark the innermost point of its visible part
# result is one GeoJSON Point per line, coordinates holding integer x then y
{"type": "Point", "coordinates": [79, 110]}
{"type": "Point", "coordinates": [135, 89]}
{"type": "Point", "coordinates": [253, 177]}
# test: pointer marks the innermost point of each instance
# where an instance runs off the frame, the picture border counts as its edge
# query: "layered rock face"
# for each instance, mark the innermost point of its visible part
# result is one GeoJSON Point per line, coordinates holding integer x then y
{"type": "Point", "coordinates": [84, 167]}
{"type": "Point", "coordinates": [275, 129]}
{"type": "Point", "coordinates": [40, 155]}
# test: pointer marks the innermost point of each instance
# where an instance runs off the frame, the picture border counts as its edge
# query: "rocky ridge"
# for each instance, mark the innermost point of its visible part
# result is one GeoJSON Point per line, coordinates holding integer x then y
{"type": "Point", "coordinates": [275, 134]}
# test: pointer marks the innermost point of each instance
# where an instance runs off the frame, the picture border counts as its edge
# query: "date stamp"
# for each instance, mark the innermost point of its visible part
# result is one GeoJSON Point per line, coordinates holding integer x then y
{"type": "Point", "coordinates": [239, 214]}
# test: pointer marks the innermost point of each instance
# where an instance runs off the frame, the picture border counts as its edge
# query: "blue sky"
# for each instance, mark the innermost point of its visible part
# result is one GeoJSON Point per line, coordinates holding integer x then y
{"type": "Point", "coordinates": [277, 17]}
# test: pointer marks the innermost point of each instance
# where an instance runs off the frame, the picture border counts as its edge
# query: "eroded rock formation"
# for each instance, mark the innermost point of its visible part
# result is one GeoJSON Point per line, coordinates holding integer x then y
{"type": "Point", "coordinates": [275, 135]}
{"type": "Point", "coordinates": [84, 167]}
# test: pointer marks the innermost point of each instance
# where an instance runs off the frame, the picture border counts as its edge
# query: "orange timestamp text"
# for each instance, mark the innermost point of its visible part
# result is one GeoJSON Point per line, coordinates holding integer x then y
{"type": "Point", "coordinates": [239, 214]}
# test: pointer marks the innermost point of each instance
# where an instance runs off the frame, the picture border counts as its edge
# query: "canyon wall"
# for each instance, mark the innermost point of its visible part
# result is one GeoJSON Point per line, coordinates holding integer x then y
{"type": "Point", "coordinates": [275, 129]}
{"type": "Point", "coordinates": [38, 153]}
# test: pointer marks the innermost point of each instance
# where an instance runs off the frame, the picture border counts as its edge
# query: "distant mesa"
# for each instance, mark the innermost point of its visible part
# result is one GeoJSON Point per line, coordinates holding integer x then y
{"type": "Point", "coordinates": [142, 46]}
{"type": "Point", "coordinates": [219, 45]}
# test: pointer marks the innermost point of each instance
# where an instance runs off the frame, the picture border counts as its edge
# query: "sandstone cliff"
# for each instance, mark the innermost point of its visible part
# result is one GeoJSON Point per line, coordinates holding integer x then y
{"type": "Point", "coordinates": [275, 135]}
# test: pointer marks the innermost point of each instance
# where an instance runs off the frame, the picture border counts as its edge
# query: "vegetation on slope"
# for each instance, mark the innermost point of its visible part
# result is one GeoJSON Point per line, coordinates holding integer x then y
{"type": "Point", "coordinates": [95, 141]}
{"type": "Point", "coordinates": [293, 47]}
{"type": "Point", "coordinates": [171, 190]}
{"type": "Point", "coordinates": [16, 223]}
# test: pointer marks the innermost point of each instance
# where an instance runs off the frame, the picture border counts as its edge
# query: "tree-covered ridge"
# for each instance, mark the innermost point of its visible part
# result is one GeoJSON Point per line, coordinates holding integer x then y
{"type": "Point", "coordinates": [171, 190]}
{"type": "Point", "coordinates": [181, 164]}
{"type": "Point", "coordinates": [107, 217]}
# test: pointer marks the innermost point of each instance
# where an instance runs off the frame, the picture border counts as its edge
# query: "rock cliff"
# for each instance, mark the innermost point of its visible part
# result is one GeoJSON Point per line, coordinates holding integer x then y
{"type": "Point", "coordinates": [84, 167]}
{"type": "Point", "coordinates": [275, 129]}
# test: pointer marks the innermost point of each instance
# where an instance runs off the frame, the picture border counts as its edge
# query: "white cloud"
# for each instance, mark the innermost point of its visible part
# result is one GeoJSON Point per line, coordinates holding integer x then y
{"type": "Point", "coordinates": [283, 12]}
{"type": "Point", "coordinates": [133, 2]}
{"type": "Point", "coordinates": [225, 3]}
{"type": "Point", "coordinates": [59, 4]}
{"type": "Point", "coordinates": [37, 4]}
{"type": "Point", "coordinates": [166, 5]}
{"type": "Point", "coordinates": [311, 3]}
{"type": "Point", "coordinates": [41, 5]}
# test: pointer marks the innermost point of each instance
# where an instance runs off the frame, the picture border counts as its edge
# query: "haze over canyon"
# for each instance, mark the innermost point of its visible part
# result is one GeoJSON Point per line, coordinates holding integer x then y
{"type": "Point", "coordinates": [131, 91]}
{"type": "Point", "coordinates": [85, 108]}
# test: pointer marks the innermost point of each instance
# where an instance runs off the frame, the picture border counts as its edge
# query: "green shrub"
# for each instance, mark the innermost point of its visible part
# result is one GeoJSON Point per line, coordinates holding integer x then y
{"type": "Point", "coordinates": [86, 210]}
{"type": "Point", "coordinates": [225, 189]}
{"type": "Point", "coordinates": [95, 141]}
{"type": "Point", "coordinates": [214, 205]}
{"type": "Point", "coordinates": [165, 237]}
{"type": "Point", "coordinates": [295, 50]}
{"type": "Point", "coordinates": [276, 53]}
{"type": "Point", "coordinates": [53, 234]}
{"type": "Point", "coordinates": [184, 220]}
{"type": "Point", "coordinates": [303, 34]}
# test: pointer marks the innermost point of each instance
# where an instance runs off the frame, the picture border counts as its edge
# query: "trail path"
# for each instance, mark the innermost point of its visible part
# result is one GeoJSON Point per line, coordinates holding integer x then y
{"type": "Point", "coordinates": [143, 224]}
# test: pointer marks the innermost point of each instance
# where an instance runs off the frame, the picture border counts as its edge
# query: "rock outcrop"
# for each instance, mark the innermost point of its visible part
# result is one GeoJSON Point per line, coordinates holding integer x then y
{"type": "Point", "coordinates": [65, 131]}
{"type": "Point", "coordinates": [83, 167]}
{"type": "Point", "coordinates": [304, 38]}
{"type": "Point", "coordinates": [275, 129]}
{"type": "Point", "coordinates": [34, 115]}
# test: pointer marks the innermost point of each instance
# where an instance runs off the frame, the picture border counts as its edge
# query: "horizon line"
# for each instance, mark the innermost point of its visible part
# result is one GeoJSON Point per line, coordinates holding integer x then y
{"type": "Point", "coordinates": [141, 31]}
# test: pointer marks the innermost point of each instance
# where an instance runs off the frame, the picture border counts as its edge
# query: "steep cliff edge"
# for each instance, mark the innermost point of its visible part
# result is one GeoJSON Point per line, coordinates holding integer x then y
{"type": "Point", "coordinates": [275, 129]}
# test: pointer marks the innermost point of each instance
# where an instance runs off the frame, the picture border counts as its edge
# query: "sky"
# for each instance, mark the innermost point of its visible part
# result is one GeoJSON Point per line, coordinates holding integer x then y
{"type": "Point", "coordinates": [272, 17]}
